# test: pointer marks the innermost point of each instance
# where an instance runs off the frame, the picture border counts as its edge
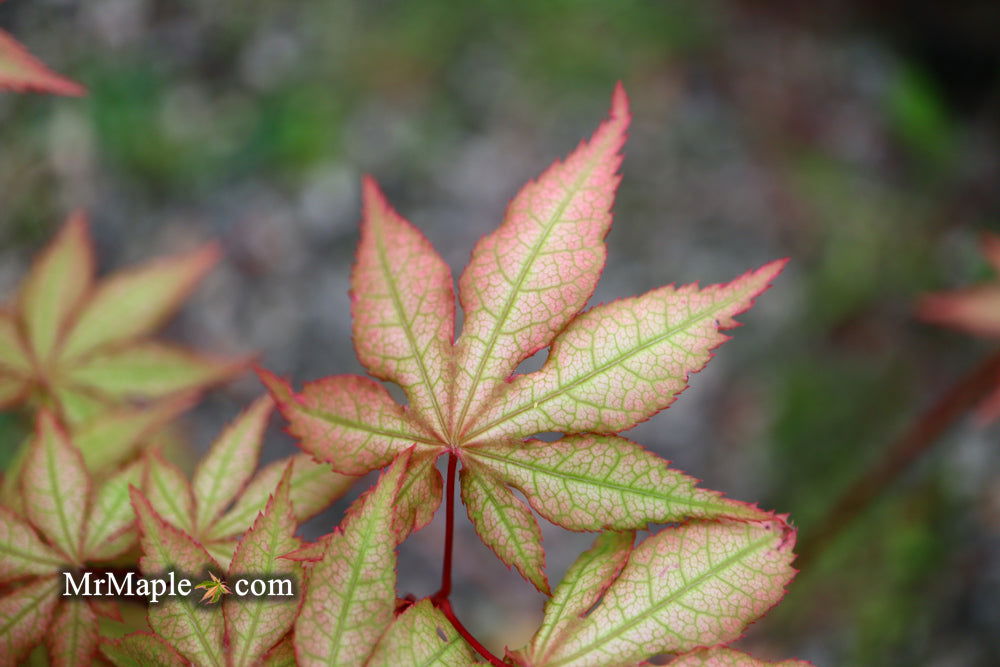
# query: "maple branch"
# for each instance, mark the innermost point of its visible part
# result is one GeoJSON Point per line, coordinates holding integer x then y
{"type": "Point", "coordinates": [901, 454]}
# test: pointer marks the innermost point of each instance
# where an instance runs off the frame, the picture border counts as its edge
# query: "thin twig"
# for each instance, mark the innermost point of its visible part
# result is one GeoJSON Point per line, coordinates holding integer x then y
{"type": "Point", "coordinates": [901, 454]}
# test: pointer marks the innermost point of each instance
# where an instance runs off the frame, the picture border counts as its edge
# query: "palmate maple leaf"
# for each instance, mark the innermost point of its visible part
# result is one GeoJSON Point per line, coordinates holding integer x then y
{"type": "Point", "coordinates": [975, 310]}
{"type": "Point", "coordinates": [66, 524]}
{"type": "Point", "coordinates": [79, 346]}
{"type": "Point", "coordinates": [22, 72]}
{"type": "Point", "coordinates": [236, 633]}
{"type": "Point", "coordinates": [223, 499]}
{"type": "Point", "coordinates": [608, 368]}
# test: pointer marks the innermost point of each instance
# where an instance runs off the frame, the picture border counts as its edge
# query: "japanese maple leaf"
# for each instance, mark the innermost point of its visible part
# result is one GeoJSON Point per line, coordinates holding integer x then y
{"type": "Point", "coordinates": [80, 347]}
{"type": "Point", "coordinates": [223, 499]}
{"type": "Point", "coordinates": [975, 310]}
{"type": "Point", "coordinates": [66, 524]}
{"type": "Point", "coordinates": [236, 633]}
{"type": "Point", "coordinates": [608, 368]}
{"type": "Point", "coordinates": [22, 72]}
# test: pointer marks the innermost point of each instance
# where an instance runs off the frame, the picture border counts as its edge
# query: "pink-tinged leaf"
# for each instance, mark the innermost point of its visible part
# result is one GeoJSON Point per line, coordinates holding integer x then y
{"type": "Point", "coordinates": [348, 420]}
{"type": "Point", "coordinates": [22, 72]}
{"type": "Point", "coordinates": [230, 462]}
{"type": "Point", "coordinates": [137, 300]}
{"type": "Point", "coordinates": [527, 279]}
{"type": "Point", "coordinates": [58, 279]}
{"type": "Point", "coordinates": [106, 609]}
{"type": "Point", "coordinates": [723, 656]}
{"type": "Point", "coordinates": [56, 487]}
{"type": "Point", "coordinates": [255, 625]}
{"type": "Point", "coordinates": [974, 309]}
{"type": "Point", "coordinates": [695, 585]}
{"type": "Point", "coordinates": [196, 633]}
{"type": "Point", "coordinates": [150, 370]}
{"type": "Point", "coordinates": [585, 581]}
{"type": "Point", "coordinates": [22, 553]}
{"type": "Point", "coordinates": [350, 594]}
{"type": "Point", "coordinates": [222, 551]}
{"type": "Point", "coordinates": [314, 486]}
{"type": "Point", "coordinates": [116, 434]}
{"type": "Point", "coordinates": [282, 655]}
{"type": "Point", "coordinates": [168, 492]}
{"type": "Point", "coordinates": [403, 327]}
{"type": "Point", "coordinates": [110, 530]}
{"type": "Point", "coordinates": [12, 389]}
{"type": "Point", "coordinates": [421, 637]}
{"type": "Point", "coordinates": [595, 482]}
{"type": "Point", "coordinates": [14, 357]}
{"type": "Point", "coordinates": [11, 496]}
{"type": "Point", "coordinates": [504, 524]}
{"type": "Point", "coordinates": [620, 363]}
{"type": "Point", "coordinates": [72, 639]}
{"type": "Point", "coordinates": [419, 496]}
{"type": "Point", "coordinates": [25, 614]}
{"type": "Point", "coordinates": [310, 552]}
{"type": "Point", "coordinates": [140, 649]}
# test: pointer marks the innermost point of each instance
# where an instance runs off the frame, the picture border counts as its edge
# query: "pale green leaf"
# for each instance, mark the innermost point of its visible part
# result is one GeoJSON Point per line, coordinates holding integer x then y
{"type": "Point", "coordinates": [421, 637]}
{"type": "Point", "coordinates": [230, 462]}
{"type": "Point", "coordinates": [110, 530]}
{"type": "Point", "coordinates": [25, 614]}
{"type": "Point", "coordinates": [593, 482]}
{"type": "Point", "coordinates": [137, 300]}
{"type": "Point", "coordinates": [505, 524]}
{"type": "Point", "coordinates": [22, 553]}
{"type": "Point", "coordinates": [140, 649]}
{"type": "Point", "coordinates": [350, 594]}
{"type": "Point", "coordinates": [56, 487]}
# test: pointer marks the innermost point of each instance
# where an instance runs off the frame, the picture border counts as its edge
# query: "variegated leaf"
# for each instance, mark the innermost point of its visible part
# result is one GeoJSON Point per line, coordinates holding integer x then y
{"type": "Point", "coordinates": [110, 529]}
{"type": "Point", "coordinates": [350, 594]}
{"type": "Point", "coordinates": [622, 362]}
{"type": "Point", "coordinates": [421, 637]}
{"type": "Point", "coordinates": [314, 486]}
{"type": "Point", "coordinates": [584, 583]}
{"type": "Point", "coordinates": [25, 614]}
{"type": "Point", "coordinates": [72, 639]}
{"type": "Point", "coordinates": [169, 492]}
{"type": "Point", "coordinates": [141, 649]}
{"type": "Point", "coordinates": [230, 462]}
{"type": "Point", "coordinates": [527, 279]}
{"type": "Point", "coordinates": [57, 281]}
{"type": "Point", "coordinates": [348, 420]}
{"type": "Point", "coordinates": [419, 495]}
{"type": "Point", "coordinates": [137, 300]}
{"type": "Point", "coordinates": [150, 370]}
{"type": "Point", "coordinates": [255, 625]}
{"type": "Point", "coordinates": [56, 487]}
{"type": "Point", "coordinates": [403, 328]}
{"type": "Point", "coordinates": [116, 434]}
{"type": "Point", "coordinates": [196, 633]}
{"type": "Point", "coordinates": [503, 522]}
{"type": "Point", "coordinates": [594, 482]}
{"type": "Point", "coordinates": [695, 585]}
{"type": "Point", "coordinates": [22, 552]}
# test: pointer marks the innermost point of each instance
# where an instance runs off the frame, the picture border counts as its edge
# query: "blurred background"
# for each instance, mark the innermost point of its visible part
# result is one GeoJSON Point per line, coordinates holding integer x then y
{"type": "Point", "coordinates": [857, 138]}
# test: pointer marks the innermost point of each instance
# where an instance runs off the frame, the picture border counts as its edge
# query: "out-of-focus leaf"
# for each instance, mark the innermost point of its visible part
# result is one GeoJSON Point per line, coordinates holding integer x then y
{"type": "Point", "coordinates": [140, 649]}
{"type": "Point", "coordinates": [25, 613]}
{"type": "Point", "coordinates": [22, 553]}
{"type": "Point", "coordinates": [72, 638]}
{"type": "Point", "coordinates": [22, 72]}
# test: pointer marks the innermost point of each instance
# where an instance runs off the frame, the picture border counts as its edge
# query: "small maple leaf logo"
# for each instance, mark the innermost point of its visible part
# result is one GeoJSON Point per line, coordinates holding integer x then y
{"type": "Point", "coordinates": [215, 588]}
